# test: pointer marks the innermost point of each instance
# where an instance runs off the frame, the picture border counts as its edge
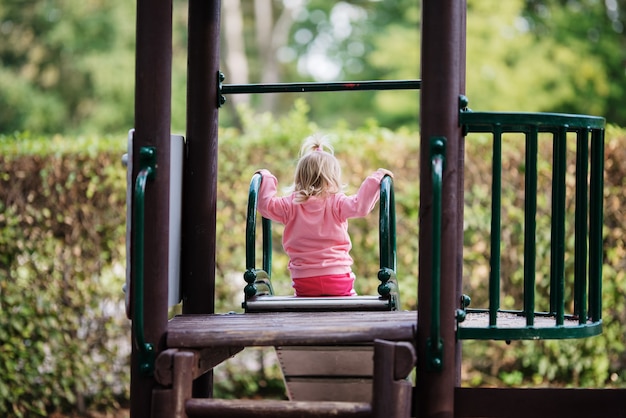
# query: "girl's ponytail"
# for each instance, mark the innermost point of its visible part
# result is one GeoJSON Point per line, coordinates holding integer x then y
{"type": "Point", "coordinates": [316, 142]}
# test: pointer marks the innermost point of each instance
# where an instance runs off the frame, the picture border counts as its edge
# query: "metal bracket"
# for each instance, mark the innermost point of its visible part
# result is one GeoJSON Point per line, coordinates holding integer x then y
{"type": "Point", "coordinates": [221, 99]}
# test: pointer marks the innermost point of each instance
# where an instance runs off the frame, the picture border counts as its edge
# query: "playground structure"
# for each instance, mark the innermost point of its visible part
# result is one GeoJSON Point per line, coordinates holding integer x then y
{"type": "Point", "coordinates": [172, 360]}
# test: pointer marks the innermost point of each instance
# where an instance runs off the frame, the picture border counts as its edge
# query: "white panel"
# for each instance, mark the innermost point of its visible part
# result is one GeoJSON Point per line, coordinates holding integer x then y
{"type": "Point", "coordinates": [176, 185]}
{"type": "Point", "coordinates": [176, 197]}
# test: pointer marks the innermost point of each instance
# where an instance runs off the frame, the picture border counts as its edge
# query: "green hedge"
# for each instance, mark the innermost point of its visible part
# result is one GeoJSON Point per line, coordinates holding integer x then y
{"type": "Point", "coordinates": [61, 260]}
{"type": "Point", "coordinates": [64, 337]}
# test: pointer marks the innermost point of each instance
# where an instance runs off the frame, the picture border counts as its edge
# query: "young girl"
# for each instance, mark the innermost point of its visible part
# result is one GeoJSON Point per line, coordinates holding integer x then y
{"type": "Point", "coordinates": [315, 215]}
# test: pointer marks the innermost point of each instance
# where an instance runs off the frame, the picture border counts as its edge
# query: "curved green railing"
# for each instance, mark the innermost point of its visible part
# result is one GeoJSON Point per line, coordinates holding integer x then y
{"type": "Point", "coordinates": [147, 171]}
{"type": "Point", "coordinates": [388, 287]}
{"type": "Point", "coordinates": [586, 318]}
{"type": "Point", "coordinates": [258, 281]}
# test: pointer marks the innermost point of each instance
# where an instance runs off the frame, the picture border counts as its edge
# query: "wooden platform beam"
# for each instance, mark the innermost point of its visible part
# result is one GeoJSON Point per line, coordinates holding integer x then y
{"type": "Point", "coordinates": [275, 409]}
{"type": "Point", "coordinates": [289, 328]}
{"type": "Point", "coordinates": [539, 403]}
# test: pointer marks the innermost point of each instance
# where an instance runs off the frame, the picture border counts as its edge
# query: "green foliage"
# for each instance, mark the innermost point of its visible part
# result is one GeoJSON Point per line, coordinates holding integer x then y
{"type": "Point", "coordinates": [61, 272]}
{"type": "Point", "coordinates": [502, 47]}
{"type": "Point", "coordinates": [66, 66]}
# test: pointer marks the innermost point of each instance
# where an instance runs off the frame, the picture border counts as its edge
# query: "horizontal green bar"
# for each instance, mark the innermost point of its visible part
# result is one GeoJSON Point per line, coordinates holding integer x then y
{"type": "Point", "coordinates": [531, 333]}
{"type": "Point", "coordinates": [321, 86]}
{"type": "Point", "coordinates": [521, 122]}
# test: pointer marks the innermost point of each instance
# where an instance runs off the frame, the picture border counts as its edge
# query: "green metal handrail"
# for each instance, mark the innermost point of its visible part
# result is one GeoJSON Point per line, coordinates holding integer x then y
{"type": "Point", "coordinates": [147, 171]}
{"type": "Point", "coordinates": [258, 282]}
{"type": "Point", "coordinates": [252, 276]}
{"type": "Point", "coordinates": [434, 342]}
{"type": "Point", "coordinates": [587, 308]}
{"type": "Point", "coordinates": [388, 287]}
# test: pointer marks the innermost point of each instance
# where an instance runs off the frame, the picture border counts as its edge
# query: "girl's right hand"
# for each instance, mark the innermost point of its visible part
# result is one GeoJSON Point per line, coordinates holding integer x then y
{"type": "Point", "coordinates": [385, 172]}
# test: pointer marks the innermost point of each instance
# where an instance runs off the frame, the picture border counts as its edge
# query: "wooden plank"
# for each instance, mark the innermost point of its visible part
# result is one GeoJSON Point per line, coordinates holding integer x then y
{"type": "Point", "coordinates": [289, 328]}
{"type": "Point", "coordinates": [323, 373]}
{"type": "Point", "coordinates": [326, 361]}
{"type": "Point", "coordinates": [329, 389]}
{"type": "Point", "coordinates": [275, 409]}
{"type": "Point", "coordinates": [539, 403]}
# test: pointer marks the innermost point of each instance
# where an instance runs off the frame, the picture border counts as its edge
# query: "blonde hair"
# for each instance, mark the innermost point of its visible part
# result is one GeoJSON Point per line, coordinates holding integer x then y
{"type": "Point", "coordinates": [318, 172]}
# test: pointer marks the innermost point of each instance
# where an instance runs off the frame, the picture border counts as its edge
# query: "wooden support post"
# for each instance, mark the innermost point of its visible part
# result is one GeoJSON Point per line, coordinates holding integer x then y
{"type": "Point", "coordinates": [200, 173]}
{"type": "Point", "coordinates": [442, 77]}
{"type": "Point", "coordinates": [184, 364]}
{"type": "Point", "coordinates": [153, 74]}
{"type": "Point", "coordinates": [170, 402]}
{"type": "Point", "coordinates": [391, 396]}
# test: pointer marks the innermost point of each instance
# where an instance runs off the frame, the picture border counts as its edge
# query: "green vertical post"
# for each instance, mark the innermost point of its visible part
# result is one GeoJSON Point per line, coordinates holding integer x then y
{"type": "Point", "coordinates": [253, 196]}
{"type": "Point", "coordinates": [496, 204]}
{"type": "Point", "coordinates": [530, 225]}
{"type": "Point", "coordinates": [266, 226]}
{"type": "Point", "coordinates": [558, 223]}
{"type": "Point", "coordinates": [580, 222]}
{"type": "Point", "coordinates": [596, 215]}
{"type": "Point", "coordinates": [387, 225]}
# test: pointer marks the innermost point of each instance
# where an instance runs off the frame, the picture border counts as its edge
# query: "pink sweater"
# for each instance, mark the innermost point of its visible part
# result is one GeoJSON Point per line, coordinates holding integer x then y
{"type": "Point", "coordinates": [316, 231]}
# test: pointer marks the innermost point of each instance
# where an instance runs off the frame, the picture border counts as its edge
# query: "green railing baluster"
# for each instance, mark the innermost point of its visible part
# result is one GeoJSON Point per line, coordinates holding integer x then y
{"type": "Point", "coordinates": [558, 223]}
{"type": "Point", "coordinates": [530, 224]}
{"type": "Point", "coordinates": [434, 342]}
{"type": "Point", "coordinates": [496, 210]}
{"type": "Point", "coordinates": [596, 197]}
{"type": "Point", "coordinates": [266, 227]}
{"type": "Point", "coordinates": [580, 222]}
{"type": "Point", "coordinates": [147, 171]}
{"type": "Point", "coordinates": [253, 197]}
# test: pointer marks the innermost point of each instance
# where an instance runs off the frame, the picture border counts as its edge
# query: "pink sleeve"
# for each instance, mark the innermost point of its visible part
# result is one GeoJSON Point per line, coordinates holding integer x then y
{"type": "Point", "coordinates": [270, 206]}
{"type": "Point", "coordinates": [362, 203]}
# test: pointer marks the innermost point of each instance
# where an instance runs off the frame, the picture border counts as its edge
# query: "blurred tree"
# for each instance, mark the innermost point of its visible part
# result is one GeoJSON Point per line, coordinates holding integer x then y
{"type": "Point", "coordinates": [66, 65]}
{"type": "Point", "coordinates": [513, 66]}
{"type": "Point", "coordinates": [593, 32]}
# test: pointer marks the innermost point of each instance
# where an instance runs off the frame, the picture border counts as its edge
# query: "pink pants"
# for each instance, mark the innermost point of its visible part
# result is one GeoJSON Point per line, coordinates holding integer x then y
{"type": "Point", "coordinates": [331, 285]}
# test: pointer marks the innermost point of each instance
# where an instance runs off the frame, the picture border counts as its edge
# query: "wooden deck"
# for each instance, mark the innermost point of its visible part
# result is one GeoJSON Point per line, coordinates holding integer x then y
{"type": "Point", "coordinates": [289, 328]}
{"type": "Point", "coordinates": [511, 320]}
